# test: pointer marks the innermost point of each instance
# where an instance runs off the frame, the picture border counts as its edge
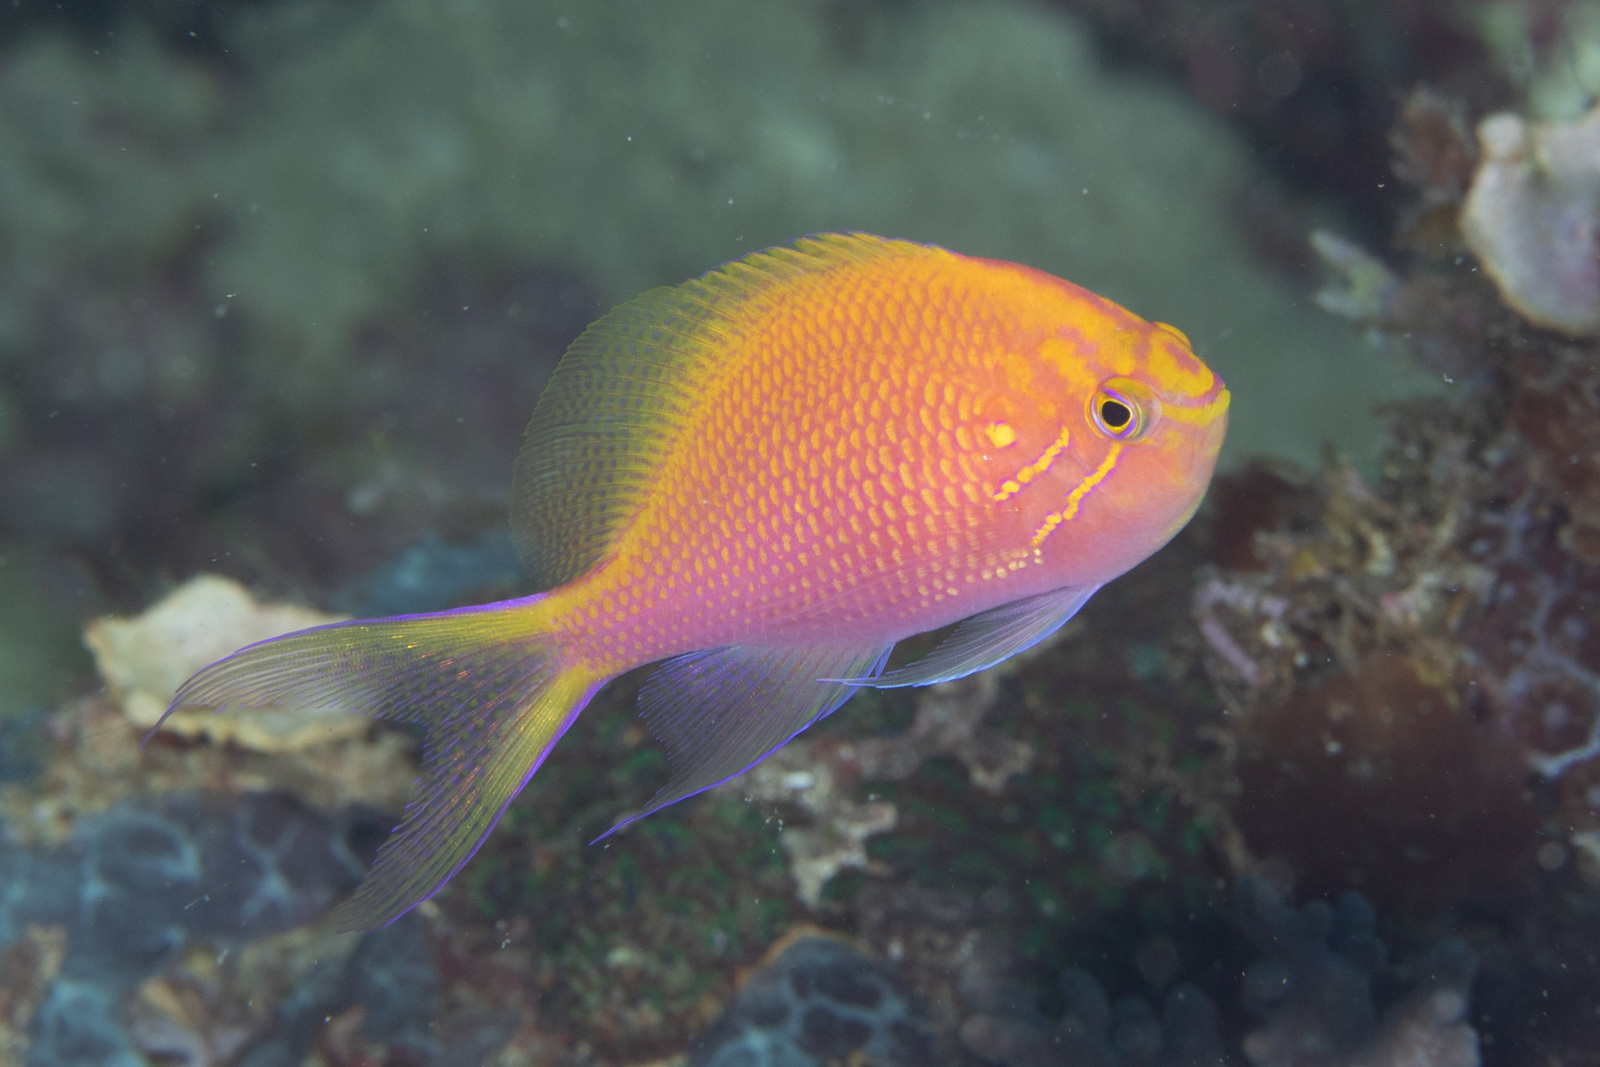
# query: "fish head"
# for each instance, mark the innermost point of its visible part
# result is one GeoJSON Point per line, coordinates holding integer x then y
{"type": "Point", "coordinates": [1164, 414]}
{"type": "Point", "coordinates": [1126, 423]}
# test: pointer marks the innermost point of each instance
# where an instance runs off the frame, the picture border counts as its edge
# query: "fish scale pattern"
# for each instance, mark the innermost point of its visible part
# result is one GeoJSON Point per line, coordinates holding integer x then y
{"type": "Point", "coordinates": [810, 484]}
{"type": "Point", "coordinates": [811, 505]}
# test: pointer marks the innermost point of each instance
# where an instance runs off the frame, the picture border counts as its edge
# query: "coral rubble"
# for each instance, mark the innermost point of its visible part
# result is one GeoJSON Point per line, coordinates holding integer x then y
{"type": "Point", "coordinates": [144, 660]}
{"type": "Point", "coordinates": [1532, 218]}
{"type": "Point", "coordinates": [816, 775]}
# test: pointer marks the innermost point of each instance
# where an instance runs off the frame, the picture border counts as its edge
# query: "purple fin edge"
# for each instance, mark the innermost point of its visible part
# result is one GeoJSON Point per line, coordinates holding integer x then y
{"type": "Point", "coordinates": [566, 724]}
{"type": "Point", "coordinates": [470, 609]}
{"type": "Point", "coordinates": [844, 697]}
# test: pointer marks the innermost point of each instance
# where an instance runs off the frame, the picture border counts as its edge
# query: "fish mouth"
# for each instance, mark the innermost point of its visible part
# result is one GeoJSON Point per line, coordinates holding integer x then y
{"type": "Point", "coordinates": [1208, 435]}
{"type": "Point", "coordinates": [1203, 421]}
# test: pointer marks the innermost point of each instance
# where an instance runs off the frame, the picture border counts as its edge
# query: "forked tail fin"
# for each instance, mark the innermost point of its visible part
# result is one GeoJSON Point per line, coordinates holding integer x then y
{"type": "Point", "coordinates": [487, 687]}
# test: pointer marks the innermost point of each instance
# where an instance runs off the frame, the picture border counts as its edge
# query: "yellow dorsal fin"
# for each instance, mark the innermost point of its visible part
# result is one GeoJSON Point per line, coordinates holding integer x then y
{"type": "Point", "coordinates": [630, 384]}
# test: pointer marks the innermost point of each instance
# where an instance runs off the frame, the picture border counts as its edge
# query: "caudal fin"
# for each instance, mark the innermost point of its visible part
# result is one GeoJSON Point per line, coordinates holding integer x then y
{"type": "Point", "coordinates": [488, 690]}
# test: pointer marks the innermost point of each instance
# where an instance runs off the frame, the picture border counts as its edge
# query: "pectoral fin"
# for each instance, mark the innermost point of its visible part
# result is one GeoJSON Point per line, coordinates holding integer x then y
{"type": "Point", "coordinates": [988, 638]}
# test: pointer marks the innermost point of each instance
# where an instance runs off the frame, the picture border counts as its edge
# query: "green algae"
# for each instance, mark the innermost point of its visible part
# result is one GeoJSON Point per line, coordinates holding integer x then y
{"type": "Point", "coordinates": [638, 930]}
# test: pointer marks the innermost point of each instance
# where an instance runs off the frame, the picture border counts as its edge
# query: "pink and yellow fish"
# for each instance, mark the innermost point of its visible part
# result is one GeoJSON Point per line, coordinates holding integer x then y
{"type": "Point", "coordinates": [767, 476]}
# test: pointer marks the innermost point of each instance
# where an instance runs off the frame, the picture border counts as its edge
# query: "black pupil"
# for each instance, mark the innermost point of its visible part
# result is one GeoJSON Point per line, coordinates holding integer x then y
{"type": "Point", "coordinates": [1115, 414]}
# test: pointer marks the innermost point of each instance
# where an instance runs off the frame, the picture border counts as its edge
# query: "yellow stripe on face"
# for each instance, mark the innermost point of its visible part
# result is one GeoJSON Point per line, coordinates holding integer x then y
{"type": "Point", "coordinates": [1200, 416]}
{"type": "Point", "coordinates": [1027, 474]}
{"type": "Point", "coordinates": [1179, 370]}
{"type": "Point", "coordinates": [1068, 513]}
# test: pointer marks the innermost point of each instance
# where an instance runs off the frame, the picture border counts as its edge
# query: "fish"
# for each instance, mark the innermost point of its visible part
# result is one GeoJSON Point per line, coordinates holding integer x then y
{"type": "Point", "coordinates": [765, 478]}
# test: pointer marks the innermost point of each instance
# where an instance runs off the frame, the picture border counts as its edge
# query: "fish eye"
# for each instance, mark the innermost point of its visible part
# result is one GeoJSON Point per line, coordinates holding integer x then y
{"type": "Point", "coordinates": [1120, 411]}
{"type": "Point", "coordinates": [1115, 414]}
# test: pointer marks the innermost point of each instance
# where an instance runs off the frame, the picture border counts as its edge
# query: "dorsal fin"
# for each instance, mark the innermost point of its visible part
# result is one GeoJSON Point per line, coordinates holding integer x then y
{"type": "Point", "coordinates": [630, 384]}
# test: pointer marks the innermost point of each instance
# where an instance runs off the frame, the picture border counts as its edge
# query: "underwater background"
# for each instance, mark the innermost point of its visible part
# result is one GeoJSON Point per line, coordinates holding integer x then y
{"type": "Point", "coordinates": [1316, 786]}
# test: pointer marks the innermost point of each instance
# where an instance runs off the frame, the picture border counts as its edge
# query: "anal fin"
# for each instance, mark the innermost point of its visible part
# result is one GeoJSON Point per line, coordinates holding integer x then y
{"type": "Point", "coordinates": [722, 711]}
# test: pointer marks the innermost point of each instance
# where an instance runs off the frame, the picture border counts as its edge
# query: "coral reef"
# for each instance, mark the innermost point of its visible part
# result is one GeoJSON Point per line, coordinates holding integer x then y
{"type": "Point", "coordinates": [1427, 633]}
{"type": "Point", "coordinates": [1547, 50]}
{"type": "Point", "coordinates": [619, 952]}
{"type": "Point", "coordinates": [817, 774]}
{"type": "Point", "coordinates": [137, 884]}
{"type": "Point", "coordinates": [276, 302]}
{"type": "Point", "coordinates": [1348, 717]}
{"type": "Point", "coordinates": [1531, 218]}
{"type": "Point", "coordinates": [1119, 818]}
{"type": "Point", "coordinates": [1005, 1028]}
{"type": "Point", "coordinates": [816, 1000]}
{"type": "Point", "coordinates": [435, 576]}
{"type": "Point", "coordinates": [1408, 655]}
{"type": "Point", "coordinates": [144, 660]}
{"type": "Point", "coordinates": [1312, 989]}
{"type": "Point", "coordinates": [86, 758]}
{"type": "Point", "coordinates": [1313, 81]}
{"type": "Point", "coordinates": [390, 984]}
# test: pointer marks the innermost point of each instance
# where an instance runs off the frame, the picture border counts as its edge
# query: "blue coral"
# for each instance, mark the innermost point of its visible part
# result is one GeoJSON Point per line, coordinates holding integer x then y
{"type": "Point", "coordinates": [138, 883]}
{"type": "Point", "coordinates": [391, 976]}
{"type": "Point", "coordinates": [818, 1001]}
